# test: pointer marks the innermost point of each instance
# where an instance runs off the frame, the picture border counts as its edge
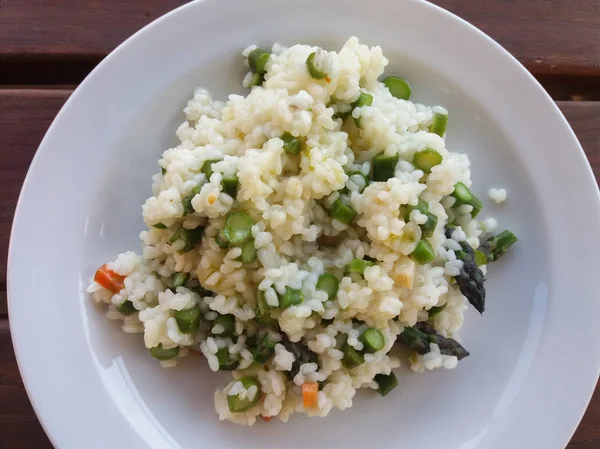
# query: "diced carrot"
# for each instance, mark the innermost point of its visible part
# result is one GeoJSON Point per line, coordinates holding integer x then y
{"type": "Point", "coordinates": [266, 418]}
{"type": "Point", "coordinates": [109, 279]}
{"type": "Point", "coordinates": [310, 392]}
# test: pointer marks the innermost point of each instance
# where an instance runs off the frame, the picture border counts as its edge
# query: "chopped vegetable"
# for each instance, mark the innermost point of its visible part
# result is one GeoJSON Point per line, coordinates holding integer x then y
{"type": "Point", "coordinates": [238, 404]}
{"type": "Point", "coordinates": [266, 418]}
{"type": "Point", "coordinates": [221, 240]}
{"type": "Point", "coordinates": [179, 279]}
{"type": "Point", "coordinates": [257, 60]}
{"type": "Point", "coordinates": [364, 99]}
{"type": "Point", "coordinates": [429, 226]}
{"type": "Point", "coordinates": [230, 185]}
{"type": "Point", "coordinates": [358, 266]}
{"type": "Point", "coordinates": [310, 394]}
{"type": "Point", "coordinates": [385, 383]}
{"type": "Point", "coordinates": [372, 340]}
{"type": "Point", "coordinates": [160, 353]}
{"type": "Point", "coordinates": [238, 228]}
{"type": "Point", "coordinates": [405, 210]}
{"type": "Point", "coordinates": [423, 253]}
{"type": "Point", "coordinates": [265, 348]}
{"type": "Point", "coordinates": [352, 358]}
{"type": "Point", "coordinates": [126, 308]}
{"type": "Point", "coordinates": [329, 284]}
{"type": "Point", "coordinates": [480, 258]}
{"type": "Point", "coordinates": [186, 201]}
{"type": "Point", "coordinates": [398, 87]}
{"type": "Point", "coordinates": [440, 120]}
{"type": "Point", "coordinates": [496, 246]}
{"type": "Point", "coordinates": [263, 315]}
{"type": "Point", "coordinates": [226, 361]}
{"type": "Point", "coordinates": [291, 144]}
{"type": "Point", "coordinates": [190, 237]}
{"type": "Point", "coordinates": [436, 310]}
{"type": "Point", "coordinates": [159, 225]}
{"type": "Point", "coordinates": [341, 212]}
{"type": "Point", "coordinates": [109, 279]}
{"type": "Point", "coordinates": [188, 320]}
{"type": "Point", "coordinates": [427, 159]}
{"type": "Point", "coordinates": [470, 279]}
{"type": "Point", "coordinates": [256, 80]}
{"type": "Point", "coordinates": [248, 252]}
{"type": "Point", "coordinates": [313, 66]}
{"type": "Point", "coordinates": [207, 167]}
{"type": "Point", "coordinates": [227, 322]}
{"type": "Point", "coordinates": [163, 171]}
{"type": "Point", "coordinates": [291, 297]}
{"type": "Point", "coordinates": [418, 338]}
{"type": "Point", "coordinates": [464, 196]}
{"type": "Point", "coordinates": [384, 167]}
{"type": "Point", "coordinates": [342, 115]}
{"type": "Point", "coordinates": [301, 353]}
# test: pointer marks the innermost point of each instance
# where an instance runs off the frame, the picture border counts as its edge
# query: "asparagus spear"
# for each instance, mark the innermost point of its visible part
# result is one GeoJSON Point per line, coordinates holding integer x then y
{"type": "Point", "coordinates": [418, 338]}
{"type": "Point", "coordinates": [301, 353]}
{"type": "Point", "coordinates": [470, 279]}
{"type": "Point", "coordinates": [495, 246]}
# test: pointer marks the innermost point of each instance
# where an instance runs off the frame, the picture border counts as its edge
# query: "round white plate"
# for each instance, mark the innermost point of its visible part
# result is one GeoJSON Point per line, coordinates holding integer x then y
{"type": "Point", "coordinates": [535, 353]}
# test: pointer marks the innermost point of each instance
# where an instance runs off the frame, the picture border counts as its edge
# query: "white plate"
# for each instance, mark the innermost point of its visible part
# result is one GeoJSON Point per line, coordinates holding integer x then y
{"type": "Point", "coordinates": [535, 352]}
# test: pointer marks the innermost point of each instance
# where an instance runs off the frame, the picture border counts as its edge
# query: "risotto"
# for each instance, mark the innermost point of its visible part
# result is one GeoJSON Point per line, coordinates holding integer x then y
{"type": "Point", "coordinates": [307, 237]}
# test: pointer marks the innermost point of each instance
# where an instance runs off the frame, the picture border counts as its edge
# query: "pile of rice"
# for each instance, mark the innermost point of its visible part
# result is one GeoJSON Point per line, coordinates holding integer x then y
{"type": "Point", "coordinates": [288, 198]}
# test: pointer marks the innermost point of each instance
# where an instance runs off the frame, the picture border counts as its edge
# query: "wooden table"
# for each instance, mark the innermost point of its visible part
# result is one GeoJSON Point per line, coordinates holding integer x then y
{"type": "Point", "coordinates": [48, 46]}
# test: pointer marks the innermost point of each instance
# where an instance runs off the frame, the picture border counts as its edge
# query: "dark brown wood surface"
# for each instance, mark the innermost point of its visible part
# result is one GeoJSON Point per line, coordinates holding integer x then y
{"type": "Point", "coordinates": [48, 46]}
{"type": "Point", "coordinates": [558, 36]}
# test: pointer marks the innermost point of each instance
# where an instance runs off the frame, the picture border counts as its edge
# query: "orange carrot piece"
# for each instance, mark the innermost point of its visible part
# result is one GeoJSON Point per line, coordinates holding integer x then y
{"type": "Point", "coordinates": [266, 418]}
{"type": "Point", "coordinates": [109, 279]}
{"type": "Point", "coordinates": [310, 392]}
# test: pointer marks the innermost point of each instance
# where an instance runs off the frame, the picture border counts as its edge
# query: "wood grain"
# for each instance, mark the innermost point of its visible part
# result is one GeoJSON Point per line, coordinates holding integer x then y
{"type": "Point", "coordinates": [24, 117]}
{"type": "Point", "coordinates": [548, 36]}
{"type": "Point", "coordinates": [19, 427]}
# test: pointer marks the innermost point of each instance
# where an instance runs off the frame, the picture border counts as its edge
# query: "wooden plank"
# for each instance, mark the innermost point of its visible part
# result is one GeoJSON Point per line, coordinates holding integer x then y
{"type": "Point", "coordinates": [33, 32]}
{"type": "Point", "coordinates": [547, 36]}
{"type": "Point", "coordinates": [3, 304]}
{"type": "Point", "coordinates": [25, 115]}
{"type": "Point", "coordinates": [19, 427]}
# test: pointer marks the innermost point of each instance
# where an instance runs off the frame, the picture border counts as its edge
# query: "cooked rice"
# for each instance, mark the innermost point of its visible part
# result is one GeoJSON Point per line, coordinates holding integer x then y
{"type": "Point", "coordinates": [288, 199]}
